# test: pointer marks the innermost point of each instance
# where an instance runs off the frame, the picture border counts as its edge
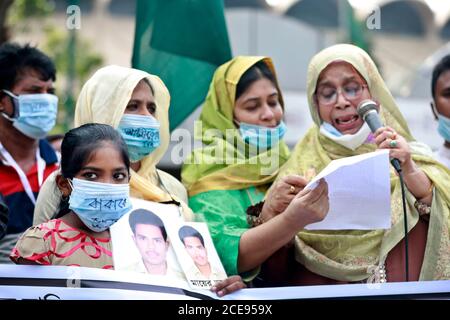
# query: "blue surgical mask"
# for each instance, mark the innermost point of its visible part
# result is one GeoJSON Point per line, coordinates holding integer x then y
{"type": "Point", "coordinates": [444, 127]}
{"type": "Point", "coordinates": [99, 205]}
{"type": "Point", "coordinates": [331, 129]}
{"type": "Point", "coordinates": [262, 137]}
{"type": "Point", "coordinates": [141, 135]}
{"type": "Point", "coordinates": [35, 114]}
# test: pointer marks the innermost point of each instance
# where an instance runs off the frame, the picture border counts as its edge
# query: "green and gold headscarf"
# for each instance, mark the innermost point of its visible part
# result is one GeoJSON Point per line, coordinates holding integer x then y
{"type": "Point", "coordinates": [350, 255]}
{"type": "Point", "coordinates": [224, 163]}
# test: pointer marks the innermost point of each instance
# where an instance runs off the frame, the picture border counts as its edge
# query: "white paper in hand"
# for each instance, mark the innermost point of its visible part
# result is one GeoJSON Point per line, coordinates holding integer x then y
{"type": "Point", "coordinates": [359, 193]}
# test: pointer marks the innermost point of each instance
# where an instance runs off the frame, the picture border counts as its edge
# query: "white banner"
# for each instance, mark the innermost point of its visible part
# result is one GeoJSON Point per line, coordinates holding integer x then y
{"type": "Point", "coordinates": [57, 282]}
{"type": "Point", "coordinates": [75, 283]}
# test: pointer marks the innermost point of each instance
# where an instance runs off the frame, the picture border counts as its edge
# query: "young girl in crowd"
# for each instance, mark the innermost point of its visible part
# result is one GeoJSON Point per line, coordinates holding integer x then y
{"type": "Point", "coordinates": [136, 104]}
{"type": "Point", "coordinates": [95, 171]}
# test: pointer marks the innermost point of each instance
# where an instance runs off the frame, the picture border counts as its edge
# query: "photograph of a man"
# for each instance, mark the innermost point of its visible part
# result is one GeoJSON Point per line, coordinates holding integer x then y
{"type": "Point", "coordinates": [150, 237]}
{"type": "Point", "coordinates": [195, 246]}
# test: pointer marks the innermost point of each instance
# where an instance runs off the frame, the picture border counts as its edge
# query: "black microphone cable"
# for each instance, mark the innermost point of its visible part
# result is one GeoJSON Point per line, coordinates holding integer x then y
{"type": "Point", "coordinates": [405, 220]}
{"type": "Point", "coordinates": [368, 111]}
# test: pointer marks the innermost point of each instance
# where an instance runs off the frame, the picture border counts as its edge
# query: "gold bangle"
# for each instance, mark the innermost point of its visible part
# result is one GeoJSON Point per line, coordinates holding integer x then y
{"type": "Point", "coordinates": [254, 214]}
{"type": "Point", "coordinates": [423, 208]}
{"type": "Point", "coordinates": [254, 221]}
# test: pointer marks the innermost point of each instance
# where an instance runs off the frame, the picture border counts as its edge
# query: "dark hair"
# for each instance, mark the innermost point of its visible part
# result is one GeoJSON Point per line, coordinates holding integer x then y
{"type": "Point", "coordinates": [78, 145]}
{"type": "Point", "coordinates": [256, 72]}
{"type": "Point", "coordinates": [142, 216]}
{"type": "Point", "coordinates": [442, 66]}
{"type": "Point", "coordinates": [149, 84]}
{"type": "Point", "coordinates": [188, 231]}
{"type": "Point", "coordinates": [16, 59]}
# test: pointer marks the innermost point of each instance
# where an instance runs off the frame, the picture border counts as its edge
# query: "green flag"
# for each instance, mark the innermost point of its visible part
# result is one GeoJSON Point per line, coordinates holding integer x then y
{"type": "Point", "coordinates": [355, 29]}
{"type": "Point", "coordinates": [182, 42]}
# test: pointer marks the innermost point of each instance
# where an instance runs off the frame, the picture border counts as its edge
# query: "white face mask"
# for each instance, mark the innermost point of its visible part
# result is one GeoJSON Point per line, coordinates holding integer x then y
{"type": "Point", "coordinates": [350, 141]}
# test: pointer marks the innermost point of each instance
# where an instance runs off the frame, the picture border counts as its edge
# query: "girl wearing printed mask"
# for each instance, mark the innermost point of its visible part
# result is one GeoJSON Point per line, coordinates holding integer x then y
{"type": "Point", "coordinates": [242, 132]}
{"type": "Point", "coordinates": [95, 171]}
{"type": "Point", "coordinates": [136, 104]}
{"type": "Point", "coordinates": [339, 78]}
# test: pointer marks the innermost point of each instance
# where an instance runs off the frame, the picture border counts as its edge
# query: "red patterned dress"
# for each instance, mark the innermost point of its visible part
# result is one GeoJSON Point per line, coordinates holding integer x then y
{"type": "Point", "coordinates": [57, 243]}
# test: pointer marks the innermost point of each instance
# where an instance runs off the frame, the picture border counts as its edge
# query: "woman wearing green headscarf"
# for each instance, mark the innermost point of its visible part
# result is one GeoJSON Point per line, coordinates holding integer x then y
{"type": "Point", "coordinates": [339, 78]}
{"type": "Point", "coordinates": [242, 130]}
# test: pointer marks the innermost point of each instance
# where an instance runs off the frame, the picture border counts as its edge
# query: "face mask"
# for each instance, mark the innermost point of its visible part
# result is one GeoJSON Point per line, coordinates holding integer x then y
{"type": "Point", "coordinates": [35, 114]}
{"type": "Point", "coordinates": [262, 137]}
{"type": "Point", "coordinates": [141, 134]}
{"type": "Point", "coordinates": [444, 127]}
{"type": "Point", "coordinates": [99, 205]}
{"type": "Point", "coordinates": [350, 141]}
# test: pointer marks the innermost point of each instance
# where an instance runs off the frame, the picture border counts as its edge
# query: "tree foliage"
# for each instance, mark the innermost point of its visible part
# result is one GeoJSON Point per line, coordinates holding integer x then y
{"type": "Point", "coordinates": [74, 57]}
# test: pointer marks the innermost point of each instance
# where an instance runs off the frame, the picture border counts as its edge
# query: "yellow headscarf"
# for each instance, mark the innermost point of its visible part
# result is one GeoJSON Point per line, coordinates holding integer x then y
{"type": "Point", "coordinates": [350, 255]}
{"type": "Point", "coordinates": [204, 169]}
{"type": "Point", "coordinates": [103, 99]}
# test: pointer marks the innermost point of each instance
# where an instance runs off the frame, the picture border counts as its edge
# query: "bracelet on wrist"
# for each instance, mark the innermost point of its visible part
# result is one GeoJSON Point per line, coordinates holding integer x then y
{"type": "Point", "coordinates": [254, 214]}
{"type": "Point", "coordinates": [423, 208]}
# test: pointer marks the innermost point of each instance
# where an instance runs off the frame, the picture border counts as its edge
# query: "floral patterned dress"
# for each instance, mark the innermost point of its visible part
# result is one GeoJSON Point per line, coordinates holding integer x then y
{"type": "Point", "coordinates": [57, 243]}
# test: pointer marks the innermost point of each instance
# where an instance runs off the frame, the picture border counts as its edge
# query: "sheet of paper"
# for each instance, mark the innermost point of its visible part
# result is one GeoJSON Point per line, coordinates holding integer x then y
{"type": "Point", "coordinates": [359, 193]}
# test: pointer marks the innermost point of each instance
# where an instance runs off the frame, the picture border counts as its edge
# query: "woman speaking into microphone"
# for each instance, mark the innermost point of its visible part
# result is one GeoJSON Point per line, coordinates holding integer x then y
{"type": "Point", "coordinates": [339, 79]}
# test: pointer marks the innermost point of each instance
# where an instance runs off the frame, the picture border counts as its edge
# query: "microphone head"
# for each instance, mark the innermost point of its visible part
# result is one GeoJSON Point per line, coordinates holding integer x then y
{"type": "Point", "coordinates": [365, 106]}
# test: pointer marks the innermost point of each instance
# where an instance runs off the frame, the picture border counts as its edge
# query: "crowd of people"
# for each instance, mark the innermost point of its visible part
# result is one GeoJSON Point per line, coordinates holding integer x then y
{"type": "Point", "coordinates": [256, 206]}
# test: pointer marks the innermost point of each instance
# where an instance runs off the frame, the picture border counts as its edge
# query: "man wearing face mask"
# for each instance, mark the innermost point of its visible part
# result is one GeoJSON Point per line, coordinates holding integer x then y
{"type": "Point", "coordinates": [28, 110]}
{"type": "Point", "coordinates": [440, 89]}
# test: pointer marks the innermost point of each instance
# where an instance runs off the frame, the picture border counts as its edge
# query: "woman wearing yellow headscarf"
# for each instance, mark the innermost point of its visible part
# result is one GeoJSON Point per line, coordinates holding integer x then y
{"type": "Point", "coordinates": [120, 97]}
{"type": "Point", "coordinates": [111, 93]}
{"type": "Point", "coordinates": [339, 78]}
{"type": "Point", "coordinates": [242, 130]}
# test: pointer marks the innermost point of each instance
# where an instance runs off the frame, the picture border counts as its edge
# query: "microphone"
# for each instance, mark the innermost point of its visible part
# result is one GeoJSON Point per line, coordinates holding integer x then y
{"type": "Point", "coordinates": [367, 110]}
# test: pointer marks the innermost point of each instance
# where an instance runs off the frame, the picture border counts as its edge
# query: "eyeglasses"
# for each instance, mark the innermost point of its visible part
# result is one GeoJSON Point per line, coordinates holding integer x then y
{"type": "Point", "coordinates": [329, 95]}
